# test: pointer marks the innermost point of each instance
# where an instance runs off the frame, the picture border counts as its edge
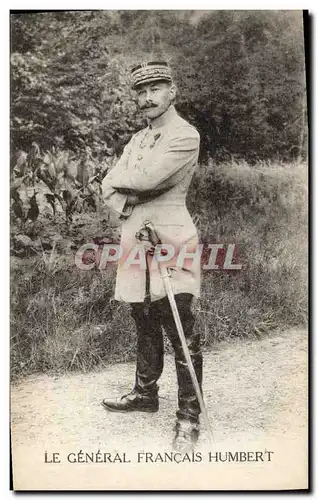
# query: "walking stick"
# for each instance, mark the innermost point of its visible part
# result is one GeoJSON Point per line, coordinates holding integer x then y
{"type": "Point", "coordinates": [154, 240]}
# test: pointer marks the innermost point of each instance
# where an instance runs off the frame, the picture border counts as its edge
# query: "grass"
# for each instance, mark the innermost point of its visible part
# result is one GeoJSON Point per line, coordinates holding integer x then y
{"type": "Point", "coordinates": [65, 319]}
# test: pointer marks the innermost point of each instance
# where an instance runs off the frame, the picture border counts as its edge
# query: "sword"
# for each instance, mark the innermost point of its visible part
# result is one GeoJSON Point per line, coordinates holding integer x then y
{"type": "Point", "coordinates": [148, 233]}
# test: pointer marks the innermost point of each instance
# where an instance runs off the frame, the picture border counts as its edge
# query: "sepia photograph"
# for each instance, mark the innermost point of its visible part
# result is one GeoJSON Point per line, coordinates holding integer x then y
{"type": "Point", "coordinates": [159, 250]}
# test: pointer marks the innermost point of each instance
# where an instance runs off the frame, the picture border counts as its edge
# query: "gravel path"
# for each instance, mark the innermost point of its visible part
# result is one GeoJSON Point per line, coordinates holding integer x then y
{"type": "Point", "coordinates": [255, 390]}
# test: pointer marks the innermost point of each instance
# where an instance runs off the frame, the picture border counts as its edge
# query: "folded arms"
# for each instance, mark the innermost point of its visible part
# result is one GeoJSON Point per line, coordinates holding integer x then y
{"type": "Point", "coordinates": [125, 187]}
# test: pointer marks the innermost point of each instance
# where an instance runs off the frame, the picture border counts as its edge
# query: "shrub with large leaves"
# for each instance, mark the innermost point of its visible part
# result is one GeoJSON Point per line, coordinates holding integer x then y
{"type": "Point", "coordinates": [64, 181]}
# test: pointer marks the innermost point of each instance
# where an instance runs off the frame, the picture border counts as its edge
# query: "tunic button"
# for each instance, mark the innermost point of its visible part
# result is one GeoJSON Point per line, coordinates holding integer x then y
{"type": "Point", "coordinates": [140, 157]}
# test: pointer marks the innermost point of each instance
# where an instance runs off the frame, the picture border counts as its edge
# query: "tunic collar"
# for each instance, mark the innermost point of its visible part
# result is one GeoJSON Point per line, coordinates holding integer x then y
{"type": "Point", "coordinates": [163, 119]}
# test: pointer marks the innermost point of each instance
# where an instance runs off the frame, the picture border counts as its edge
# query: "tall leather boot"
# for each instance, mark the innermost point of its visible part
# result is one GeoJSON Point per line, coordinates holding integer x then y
{"type": "Point", "coordinates": [149, 366]}
{"type": "Point", "coordinates": [150, 349]}
{"type": "Point", "coordinates": [187, 429]}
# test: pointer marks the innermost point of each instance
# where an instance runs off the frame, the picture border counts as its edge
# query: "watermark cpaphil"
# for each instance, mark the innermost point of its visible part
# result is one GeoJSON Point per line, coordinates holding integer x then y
{"type": "Point", "coordinates": [210, 256]}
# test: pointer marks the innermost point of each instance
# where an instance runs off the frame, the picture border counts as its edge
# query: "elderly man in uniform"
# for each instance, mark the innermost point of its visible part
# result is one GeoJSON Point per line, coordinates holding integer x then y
{"type": "Point", "coordinates": [150, 183]}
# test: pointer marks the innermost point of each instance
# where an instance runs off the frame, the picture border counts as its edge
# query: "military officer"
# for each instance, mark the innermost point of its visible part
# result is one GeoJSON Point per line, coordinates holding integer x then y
{"type": "Point", "coordinates": [150, 182]}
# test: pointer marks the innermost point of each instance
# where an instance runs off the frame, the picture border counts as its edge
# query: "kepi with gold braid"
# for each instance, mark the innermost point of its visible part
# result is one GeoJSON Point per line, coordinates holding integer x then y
{"type": "Point", "coordinates": [150, 72]}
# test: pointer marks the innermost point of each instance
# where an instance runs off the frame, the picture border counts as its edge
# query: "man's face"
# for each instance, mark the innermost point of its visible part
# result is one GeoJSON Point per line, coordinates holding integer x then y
{"type": "Point", "coordinates": [155, 98]}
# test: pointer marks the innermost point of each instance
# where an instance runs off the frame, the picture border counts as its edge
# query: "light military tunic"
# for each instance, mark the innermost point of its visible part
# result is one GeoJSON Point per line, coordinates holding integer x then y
{"type": "Point", "coordinates": [163, 156]}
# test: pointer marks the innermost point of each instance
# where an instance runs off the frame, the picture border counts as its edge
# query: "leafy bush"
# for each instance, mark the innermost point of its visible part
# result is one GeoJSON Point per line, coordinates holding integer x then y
{"type": "Point", "coordinates": [59, 177]}
{"type": "Point", "coordinates": [240, 75]}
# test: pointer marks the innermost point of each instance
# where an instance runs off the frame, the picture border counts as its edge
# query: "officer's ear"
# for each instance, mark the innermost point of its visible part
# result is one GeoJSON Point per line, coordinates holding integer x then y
{"type": "Point", "coordinates": [173, 92]}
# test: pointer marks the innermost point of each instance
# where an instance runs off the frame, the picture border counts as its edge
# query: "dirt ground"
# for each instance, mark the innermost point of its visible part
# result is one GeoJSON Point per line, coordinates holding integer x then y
{"type": "Point", "coordinates": [255, 390]}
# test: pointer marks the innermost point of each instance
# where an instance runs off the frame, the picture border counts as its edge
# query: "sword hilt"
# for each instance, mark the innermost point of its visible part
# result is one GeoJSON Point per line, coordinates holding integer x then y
{"type": "Point", "coordinates": [153, 236]}
{"type": "Point", "coordinates": [148, 233]}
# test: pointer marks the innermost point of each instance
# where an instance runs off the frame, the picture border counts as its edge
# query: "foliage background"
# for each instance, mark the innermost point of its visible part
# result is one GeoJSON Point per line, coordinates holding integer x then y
{"type": "Point", "coordinates": [241, 82]}
{"type": "Point", "coordinates": [240, 76]}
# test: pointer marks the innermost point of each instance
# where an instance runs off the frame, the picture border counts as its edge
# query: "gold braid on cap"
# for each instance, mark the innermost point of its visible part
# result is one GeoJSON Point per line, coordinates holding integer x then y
{"type": "Point", "coordinates": [150, 72]}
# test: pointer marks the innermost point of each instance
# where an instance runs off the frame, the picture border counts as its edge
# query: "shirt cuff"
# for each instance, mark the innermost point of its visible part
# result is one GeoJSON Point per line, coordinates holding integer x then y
{"type": "Point", "coordinates": [127, 211]}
